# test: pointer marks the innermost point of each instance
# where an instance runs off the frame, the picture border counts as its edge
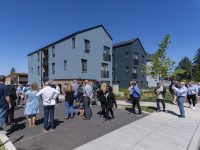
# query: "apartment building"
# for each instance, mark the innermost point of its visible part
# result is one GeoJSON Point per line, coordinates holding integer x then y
{"type": "Point", "coordinates": [129, 57]}
{"type": "Point", "coordinates": [85, 54]}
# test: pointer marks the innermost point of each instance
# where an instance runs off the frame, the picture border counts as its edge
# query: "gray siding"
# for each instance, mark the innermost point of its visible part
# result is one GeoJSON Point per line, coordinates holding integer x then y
{"type": "Point", "coordinates": [63, 51]}
{"type": "Point", "coordinates": [121, 61]}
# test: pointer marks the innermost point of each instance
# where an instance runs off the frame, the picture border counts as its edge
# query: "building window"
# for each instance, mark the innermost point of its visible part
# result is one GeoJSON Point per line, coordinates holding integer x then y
{"type": "Point", "coordinates": [104, 71]}
{"type": "Point", "coordinates": [134, 73]}
{"type": "Point", "coordinates": [53, 51]}
{"type": "Point", "coordinates": [127, 54]}
{"type": "Point", "coordinates": [127, 69]}
{"type": "Point", "coordinates": [53, 68]}
{"type": "Point", "coordinates": [73, 42]}
{"type": "Point", "coordinates": [38, 70]}
{"type": "Point", "coordinates": [87, 46]}
{"type": "Point", "coordinates": [38, 56]}
{"type": "Point", "coordinates": [135, 58]}
{"type": "Point", "coordinates": [84, 65]}
{"type": "Point", "coordinates": [142, 58]}
{"type": "Point", "coordinates": [106, 54]}
{"type": "Point", "coordinates": [65, 65]}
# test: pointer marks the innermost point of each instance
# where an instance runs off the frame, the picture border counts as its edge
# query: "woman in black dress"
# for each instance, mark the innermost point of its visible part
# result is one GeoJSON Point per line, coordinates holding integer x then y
{"type": "Point", "coordinates": [110, 101]}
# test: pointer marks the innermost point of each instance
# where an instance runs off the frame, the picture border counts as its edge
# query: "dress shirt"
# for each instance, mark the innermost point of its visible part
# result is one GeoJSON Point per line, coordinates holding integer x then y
{"type": "Point", "coordinates": [87, 90]}
{"type": "Point", "coordinates": [191, 90]}
{"type": "Point", "coordinates": [49, 95]}
{"type": "Point", "coordinates": [75, 87]}
{"type": "Point", "coordinates": [130, 89]}
{"type": "Point", "coordinates": [181, 91]}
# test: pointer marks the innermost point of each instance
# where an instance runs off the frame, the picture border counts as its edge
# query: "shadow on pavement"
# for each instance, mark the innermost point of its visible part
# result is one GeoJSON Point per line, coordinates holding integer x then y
{"type": "Point", "coordinates": [172, 113]}
{"type": "Point", "coordinates": [16, 128]}
{"type": "Point", "coordinates": [20, 119]}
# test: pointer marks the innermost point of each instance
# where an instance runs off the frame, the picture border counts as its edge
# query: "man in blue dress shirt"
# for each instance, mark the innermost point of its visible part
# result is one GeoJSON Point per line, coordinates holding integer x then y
{"type": "Point", "coordinates": [181, 97]}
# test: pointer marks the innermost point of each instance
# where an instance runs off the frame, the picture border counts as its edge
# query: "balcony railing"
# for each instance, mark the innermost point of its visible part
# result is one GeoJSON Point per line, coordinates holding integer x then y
{"type": "Point", "coordinates": [104, 74]}
{"type": "Point", "coordinates": [106, 57]}
{"type": "Point", "coordinates": [134, 75]}
{"type": "Point", "coordinates": [136, 61]}
{"type": "Point", "coordinates": [45, 61]}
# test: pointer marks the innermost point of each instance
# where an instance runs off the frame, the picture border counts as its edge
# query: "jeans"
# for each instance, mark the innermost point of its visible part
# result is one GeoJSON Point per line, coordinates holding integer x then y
{"type": "Point", "coordinates": [181, 100]}
{"type": "Point", "coordinates": [158, 104]}
{"type": "Point", "coordinates": [69, 109]}
{"type": "Point", "coordinates": [136, 101]}
{"type": "Point", "coordinates": [49, 110]}
{"type": "Point", "coordinates": [3, 113]}
{"type": "Point", "coordinates": [10, 115]}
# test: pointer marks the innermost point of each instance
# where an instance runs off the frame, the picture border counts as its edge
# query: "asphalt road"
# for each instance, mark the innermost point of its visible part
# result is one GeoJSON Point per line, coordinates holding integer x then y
{"type": "Point", "coordinates": [69, 134]}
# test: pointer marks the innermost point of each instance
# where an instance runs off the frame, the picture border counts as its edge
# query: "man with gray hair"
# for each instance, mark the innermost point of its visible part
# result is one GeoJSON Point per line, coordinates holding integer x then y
{"type": "Point", "coordinates": [87, 95]}
{"type": "Point", "coordinates": [5, 103]}
{"type": "Point", "coordinates": [49, 96]}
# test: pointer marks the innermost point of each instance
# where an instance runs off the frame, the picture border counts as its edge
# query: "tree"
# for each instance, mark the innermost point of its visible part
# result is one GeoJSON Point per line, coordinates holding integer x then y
{"type": "Point", "coordinates": [196, 63]}
{"type": "Point", "coordinates": [12, 70]}
{"type": "Point", "coordinates": [185, 65]}
{"type": "Point", "coordinates": [162, 66]}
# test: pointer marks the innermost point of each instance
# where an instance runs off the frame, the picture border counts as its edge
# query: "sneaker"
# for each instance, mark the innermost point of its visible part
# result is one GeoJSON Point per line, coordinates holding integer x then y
{"type": "Point", "coordinates": [3, 132]}
{"type": "Point", "coordinates": [193, 107]}
{"type": "Point", "coordinates": [51, 130]}
{"type": "Point", "coordinates": [158, 111]}
{"type": "Point", "coordinates": [44, 130]}
{"type": "Point", "coordinates": [181, 116]}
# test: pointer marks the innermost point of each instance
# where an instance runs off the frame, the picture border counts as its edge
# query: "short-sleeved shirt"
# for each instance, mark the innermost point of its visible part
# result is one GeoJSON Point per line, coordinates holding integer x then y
{"type": "Point", "coordinates": [3, 93]}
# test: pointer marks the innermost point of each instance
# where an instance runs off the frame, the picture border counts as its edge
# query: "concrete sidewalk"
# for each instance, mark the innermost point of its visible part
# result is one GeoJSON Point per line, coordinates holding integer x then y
{"type": "Point", "coordinates": [159, 131]}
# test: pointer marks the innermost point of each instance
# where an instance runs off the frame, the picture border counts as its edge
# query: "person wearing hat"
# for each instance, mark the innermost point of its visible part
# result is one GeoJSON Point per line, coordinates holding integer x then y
{"type": "Point", "coordinates": [5, 103]}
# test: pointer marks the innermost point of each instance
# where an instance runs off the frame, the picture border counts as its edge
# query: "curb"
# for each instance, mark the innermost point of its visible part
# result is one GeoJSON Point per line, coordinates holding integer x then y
{"type": "Point", "coordinates": [194, 144]}
{"type": "Point", "coordinates": [6, 142]}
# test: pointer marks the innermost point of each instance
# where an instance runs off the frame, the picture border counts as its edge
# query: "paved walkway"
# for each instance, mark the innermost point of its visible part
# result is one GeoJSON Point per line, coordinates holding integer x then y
{"type": "Point", "coordinates": [68, 134]}
{"type": "Point", "coordinates": [159, 131]}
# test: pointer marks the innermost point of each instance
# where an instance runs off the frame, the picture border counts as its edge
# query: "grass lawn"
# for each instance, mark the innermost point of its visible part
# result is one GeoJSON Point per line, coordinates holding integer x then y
{"type": "Point", "coordinates": [148, 109]}
{"type": "Point", "coordinates": [146, 97]}
{"type": "Point", "coordinates": [2, 146]}
{"type": "Point", "coordinates": [151, 97]}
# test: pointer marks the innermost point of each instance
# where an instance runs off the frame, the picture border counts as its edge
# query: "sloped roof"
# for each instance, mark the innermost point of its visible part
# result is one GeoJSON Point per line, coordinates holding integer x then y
{"type": "Point", "coordinates": [72, 35]}
{"type": "Point", "coordinates": [128, 42]}
{"type": "Point", "coordinates": [149, 56]}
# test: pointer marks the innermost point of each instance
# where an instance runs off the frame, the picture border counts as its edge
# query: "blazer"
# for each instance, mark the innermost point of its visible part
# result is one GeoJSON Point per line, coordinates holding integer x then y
{"type": "Point", "coordinates": [101, 96]}
{"type": "Point", "coordinates": [110, 100]}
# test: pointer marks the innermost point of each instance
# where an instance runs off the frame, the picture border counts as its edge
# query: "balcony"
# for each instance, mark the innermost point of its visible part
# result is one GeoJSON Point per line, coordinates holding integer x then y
{"type": "Point", "coordinates": [134, 75]}
{"type": "Point", "coordinates": [136, 61]}
{"type": "Point", "coordinates": [104, 74]}
{"type": "Point", "coordinates": [106, 57]}
{"type": "Point", "coordinates": [45, 61]}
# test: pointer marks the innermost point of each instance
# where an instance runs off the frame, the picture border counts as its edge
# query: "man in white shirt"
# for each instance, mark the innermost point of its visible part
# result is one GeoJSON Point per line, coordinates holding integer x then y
{"type": "Point", "coordinates": [49, 96]}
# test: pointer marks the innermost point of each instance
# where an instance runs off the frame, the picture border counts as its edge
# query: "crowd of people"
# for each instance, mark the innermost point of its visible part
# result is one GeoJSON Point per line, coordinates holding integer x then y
{"type": "Point", "coordinates": [81, 96]}
{"type": "Point", "coordinates": [78, 95]}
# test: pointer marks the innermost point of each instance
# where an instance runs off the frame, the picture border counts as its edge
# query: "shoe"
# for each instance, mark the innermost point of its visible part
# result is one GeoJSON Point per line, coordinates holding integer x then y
{"type": "Point", "coordinates": [106, 121]}
{"type": "Point", "coordinates": [51, 130]}
{"type": "Point", "coordinates": [158, 111]}
{"type": "Point", "coordinates": [67, 118]}
{"type": "Point", "coordinates": [44, 130]}
{"type": "Point", "coordinates": [3, 132]}
{"type": "Point", "coordinates": [193, 107]}
{"type": "Point", "coordinates": [181, 116]}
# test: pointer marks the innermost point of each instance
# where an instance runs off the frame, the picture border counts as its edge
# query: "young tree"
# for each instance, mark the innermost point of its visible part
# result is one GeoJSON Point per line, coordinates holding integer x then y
{"type": "Point", "coordinates": [162, 66]}
{"type": "Point", "coordinates": [185, 65]}
{"type": "Point", "coordinates": [196, 72]}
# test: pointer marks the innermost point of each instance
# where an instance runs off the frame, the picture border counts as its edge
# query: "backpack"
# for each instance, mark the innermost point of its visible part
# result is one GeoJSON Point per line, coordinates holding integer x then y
{"type": "Point", "coordinates": [164, 91]}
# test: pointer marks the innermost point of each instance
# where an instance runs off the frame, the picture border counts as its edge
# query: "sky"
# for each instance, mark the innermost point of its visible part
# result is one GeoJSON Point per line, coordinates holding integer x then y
{"type": "Point", "coordinates": [27, 25]}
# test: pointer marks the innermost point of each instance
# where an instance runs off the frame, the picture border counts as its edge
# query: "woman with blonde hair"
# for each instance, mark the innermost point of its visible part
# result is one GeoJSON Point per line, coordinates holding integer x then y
{"type": "Point", "coordinates": [102, 98]}
{"type": "Point", "coordinates": [69, 101]}
{"type": "Point", "coordinates": [32, 104]}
